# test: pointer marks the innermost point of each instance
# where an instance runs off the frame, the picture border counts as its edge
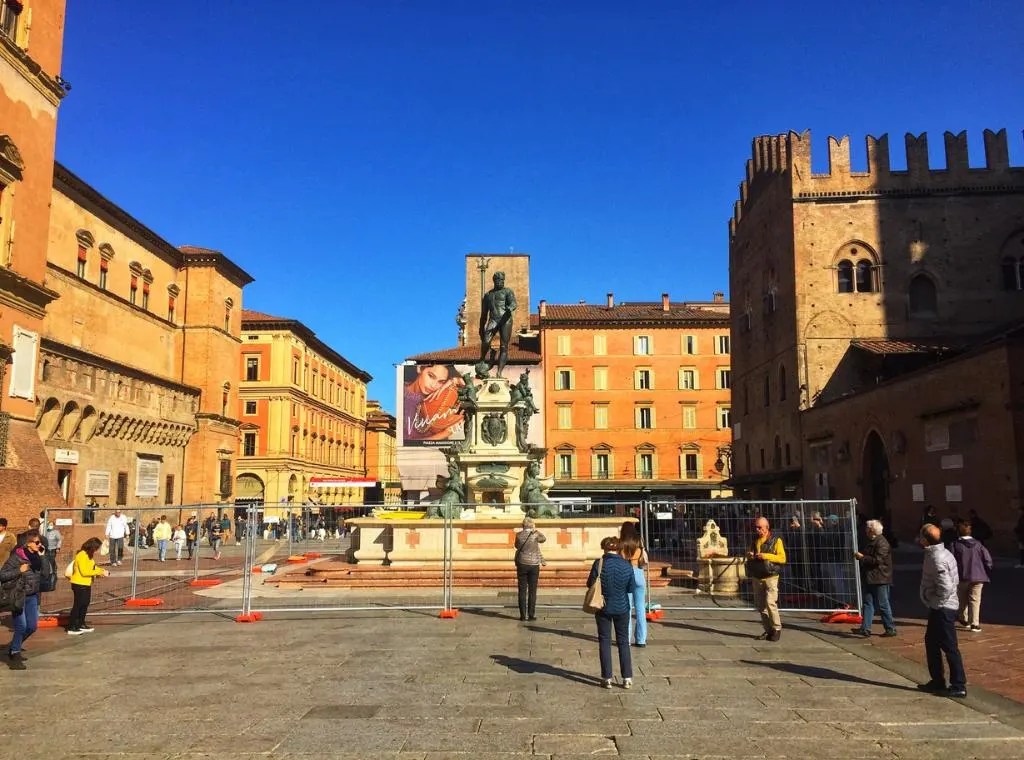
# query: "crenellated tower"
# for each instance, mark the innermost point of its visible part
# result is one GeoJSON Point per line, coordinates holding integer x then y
{"type": "Point", "coordinates": [925, 254]}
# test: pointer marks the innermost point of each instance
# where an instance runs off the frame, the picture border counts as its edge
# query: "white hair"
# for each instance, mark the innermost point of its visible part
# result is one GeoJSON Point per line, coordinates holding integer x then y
{"type": "Point", "coordinates": [528, 522]}
{"type": "Point", "coordinates": [874, 526]}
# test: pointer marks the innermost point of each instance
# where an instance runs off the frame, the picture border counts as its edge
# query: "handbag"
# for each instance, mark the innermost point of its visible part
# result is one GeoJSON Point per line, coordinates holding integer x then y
{"type": "Point", "coordinates": [12, 595]}
{"type": "Point", "coordinates": [69, 571]}
{"type": "Point", "coordinates": [593, 600]}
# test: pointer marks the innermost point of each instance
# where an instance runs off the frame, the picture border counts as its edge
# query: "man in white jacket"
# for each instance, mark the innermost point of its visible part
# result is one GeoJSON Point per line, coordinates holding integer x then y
{"type": "Point", "coordinates": [117, 529]}
{"type": "Point", "coordinates": [939, 579]}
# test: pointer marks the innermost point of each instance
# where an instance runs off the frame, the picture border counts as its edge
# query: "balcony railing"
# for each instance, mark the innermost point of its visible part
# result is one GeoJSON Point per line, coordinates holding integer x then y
{"type": "Point", "coordinates": [566, 475]}
{"type": "Point", "coordinates": [691, 474]}
{"type": "Point", "coordinates": [601, 475]}
{"type": "Point", "coordinates": [645, 474]}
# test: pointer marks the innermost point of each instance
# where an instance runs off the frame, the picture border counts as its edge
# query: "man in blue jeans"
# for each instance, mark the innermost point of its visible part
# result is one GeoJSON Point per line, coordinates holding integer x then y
{"type": "Point", "coordinates": [876, 568]}
{"type": "Point", "coordinates": [939, 579]}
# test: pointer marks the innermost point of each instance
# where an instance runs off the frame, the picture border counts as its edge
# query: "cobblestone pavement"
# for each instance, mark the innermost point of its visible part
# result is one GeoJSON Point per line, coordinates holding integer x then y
{"type": "Point", "coordinates": [407, 685]}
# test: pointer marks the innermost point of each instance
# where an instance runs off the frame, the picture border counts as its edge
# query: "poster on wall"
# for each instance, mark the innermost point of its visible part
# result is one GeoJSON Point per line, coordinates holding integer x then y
{"type": "Point", "coordinates": [97, 482]}
{"type": "Point", "coordinates": [147, 476]}
{"type": "Point", "coordinates": [430, 413]}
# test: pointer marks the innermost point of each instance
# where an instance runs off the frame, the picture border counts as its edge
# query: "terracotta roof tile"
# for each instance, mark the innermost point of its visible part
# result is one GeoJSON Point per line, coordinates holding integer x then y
{"type": "Point", "coordinates": [517, 354]}
{"type": "Point", "coordinates": [633, 313]}
{"type": "Point", "coordinates": [883, 346]}
{"type": "Point", "coordinates": [248, 315]}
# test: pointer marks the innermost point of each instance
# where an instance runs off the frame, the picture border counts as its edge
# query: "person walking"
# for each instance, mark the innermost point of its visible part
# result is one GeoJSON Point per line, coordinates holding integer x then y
{"type": "Point", "coordinates": [765, 559]}
{"type": "Point", "coordinates": [939, 579]}
{"type": "Point", "coordinates": [617, 583]}
{"type": "Point", "coordinates": [973, 564]}
{"type": "Point", "coordinates": [178, 539]}
{"type": "Point", "coordinates": [876, 567]}
{"type": "Point", "coordinates": [7, 541]}
{"type": "Point", "coordinates": [117, 530]}
{"type": "Point", "coordinates": [26, 561]}
{"type": "Point", "coordinates": [528, 563]}
{"type": "Point", "coordinates": [84, 569]}
{"type": "Point", "coordinates": [191, 534]}
{"type": "Point", "coordinates": [162, 535]}
{"type": "Point", "coordinates": [631, 549]}
{"type": "Point", "coordinates": [54, 540]}
{"type": "Point", "coordinates": [216, 537]}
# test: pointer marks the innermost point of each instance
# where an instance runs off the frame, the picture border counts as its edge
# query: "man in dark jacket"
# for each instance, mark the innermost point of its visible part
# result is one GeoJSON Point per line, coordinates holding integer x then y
{"type": "Point", "coordinates": [876, 570]}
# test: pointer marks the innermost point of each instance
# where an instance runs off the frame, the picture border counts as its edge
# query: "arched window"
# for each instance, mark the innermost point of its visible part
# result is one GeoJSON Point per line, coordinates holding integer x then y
{"type": "Point", "coordinates": [865, 276]}
{"type": "Point", "coordinates": [782, 383]}
{"type": "Point", "coordinates": [844, 271]}
{"type": "Point", "coordinates": [923, 297]}
{"type": "Point", "coordinates": [1013, 273]}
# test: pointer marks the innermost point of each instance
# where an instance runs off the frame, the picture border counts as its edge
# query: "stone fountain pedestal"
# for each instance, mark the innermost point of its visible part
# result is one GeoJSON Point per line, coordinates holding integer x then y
{"type": "Point", "coordinates": [717, 572]}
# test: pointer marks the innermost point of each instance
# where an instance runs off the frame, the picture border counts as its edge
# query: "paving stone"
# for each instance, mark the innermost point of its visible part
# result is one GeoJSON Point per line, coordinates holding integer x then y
{"type": "Point", "coordinates": [575, 744]}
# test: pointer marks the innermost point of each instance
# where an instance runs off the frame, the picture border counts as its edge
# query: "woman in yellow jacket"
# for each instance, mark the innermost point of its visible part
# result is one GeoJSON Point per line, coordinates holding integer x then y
{"type": "Point", "coordinates": [84, 570]}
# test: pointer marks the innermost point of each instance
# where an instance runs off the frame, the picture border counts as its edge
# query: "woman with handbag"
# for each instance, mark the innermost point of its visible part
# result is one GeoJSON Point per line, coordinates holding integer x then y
{"type": "Point", "coordinates": [617, 583]}
{"type": "Point", "coordinates": [23, 566]}
{"type": "Point", "coordinates": [83, 569]}
{"type": "Point", "coordinates": [528, 562]}
{"type": "Point", "coordinates": [631, 549]}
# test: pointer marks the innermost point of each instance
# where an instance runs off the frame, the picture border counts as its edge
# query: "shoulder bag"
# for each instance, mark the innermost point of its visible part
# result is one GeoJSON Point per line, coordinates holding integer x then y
{"type": "Point", "coordinates": [593, 600]}
{"type": "Point", "coordinates": [12, 595]}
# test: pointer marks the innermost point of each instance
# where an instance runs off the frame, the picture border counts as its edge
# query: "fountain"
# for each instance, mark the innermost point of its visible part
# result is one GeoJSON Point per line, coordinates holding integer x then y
{"type": "Point", "coordinates": [718, 573]}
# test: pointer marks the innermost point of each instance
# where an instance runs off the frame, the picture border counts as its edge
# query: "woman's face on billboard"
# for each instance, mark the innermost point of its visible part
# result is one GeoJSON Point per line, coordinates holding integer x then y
{"type": "Point", "coordinates": [431, 378]}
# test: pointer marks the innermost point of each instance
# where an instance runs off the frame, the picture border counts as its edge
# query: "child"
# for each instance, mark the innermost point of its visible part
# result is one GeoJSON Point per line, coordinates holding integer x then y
{"type": "Point", "coordinates": [178, 539]}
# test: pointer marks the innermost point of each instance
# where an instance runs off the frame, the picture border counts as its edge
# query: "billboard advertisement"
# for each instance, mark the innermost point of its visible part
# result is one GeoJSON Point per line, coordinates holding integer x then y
{"type": "Point", "coordinates": [430, 414]}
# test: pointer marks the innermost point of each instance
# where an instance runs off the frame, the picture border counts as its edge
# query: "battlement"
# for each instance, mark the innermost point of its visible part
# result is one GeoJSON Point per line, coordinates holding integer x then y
{"type": "Point", "coordinates": [787, 158]}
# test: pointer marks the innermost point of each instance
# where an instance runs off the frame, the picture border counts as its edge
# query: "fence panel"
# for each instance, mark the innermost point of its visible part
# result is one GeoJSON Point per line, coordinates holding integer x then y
{"type": "Point", "coordinates": [820, 539]}
{"type": "Point", "coordinates": [190, 576]}
{"type": "Point", "coordinates": [309, 559]}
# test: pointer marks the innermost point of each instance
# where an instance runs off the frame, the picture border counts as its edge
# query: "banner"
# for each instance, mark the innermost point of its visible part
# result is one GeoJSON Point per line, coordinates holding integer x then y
{"type": "Point", "coordinates": [430, 413]}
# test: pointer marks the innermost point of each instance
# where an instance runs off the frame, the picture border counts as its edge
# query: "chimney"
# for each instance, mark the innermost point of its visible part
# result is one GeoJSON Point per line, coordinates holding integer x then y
{"type": "Point", "coordinates": [542, 308]}
{"type": "Point", "coordinates": [719, 296]}
{"type": "Point", "coordinates": [611, 300]}
{"type": "Point", "coordinates": [664, 301]}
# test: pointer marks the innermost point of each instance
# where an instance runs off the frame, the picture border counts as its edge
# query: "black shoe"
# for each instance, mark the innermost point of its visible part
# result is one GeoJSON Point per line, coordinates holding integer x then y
{"type": "Point", "coordinates": [763, 637]}
{"type": "Point", "coordinates": [774, 635]}
{"type": "Point", "coordinates": [532, 617]}
{"type": "Point", "coordinates": [860, 632]}
{"type": "Point", "coordinates": [956, 693]}
{"type": "Point", "coordinates": [522, 618]}
{"type": "Point", "coordinates": [639, 645]}
{"type": "Point", "coordinates": [891, 633]}
{"type": "Point", "coordinates": [15, 662]}
{"type": "Point", "coordinates": [932, 687]}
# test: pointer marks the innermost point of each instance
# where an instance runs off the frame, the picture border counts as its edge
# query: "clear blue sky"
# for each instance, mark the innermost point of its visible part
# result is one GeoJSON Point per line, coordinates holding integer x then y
{"type": "Point", "coordinates": [349, 153]}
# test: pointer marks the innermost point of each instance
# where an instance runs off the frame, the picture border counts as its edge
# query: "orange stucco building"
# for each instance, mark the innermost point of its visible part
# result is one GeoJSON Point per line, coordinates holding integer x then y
{"type": "Point", "coordinates": [637, 398]}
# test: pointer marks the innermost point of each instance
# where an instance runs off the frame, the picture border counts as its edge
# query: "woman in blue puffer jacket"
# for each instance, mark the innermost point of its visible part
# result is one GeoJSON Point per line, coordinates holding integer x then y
{"type": "Point", "coordinates": [617, 585]}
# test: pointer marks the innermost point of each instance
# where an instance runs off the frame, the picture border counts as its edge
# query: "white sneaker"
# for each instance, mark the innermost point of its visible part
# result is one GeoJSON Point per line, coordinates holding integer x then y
{"type": "Point", "coordinates": [606, 683]}
{"type": "Point", "coordinates": [975, 629]}
{"type": "Point", "coordinates": [86, 629]}
{"type": "Point", "coordinates": [627, 683]}
{"type": "Point", "coordinates": [75, 633]}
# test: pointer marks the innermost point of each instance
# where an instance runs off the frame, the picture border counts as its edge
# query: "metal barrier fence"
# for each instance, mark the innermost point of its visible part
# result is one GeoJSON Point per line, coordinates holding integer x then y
{"type": "Point", "coordinates": [315, 558]}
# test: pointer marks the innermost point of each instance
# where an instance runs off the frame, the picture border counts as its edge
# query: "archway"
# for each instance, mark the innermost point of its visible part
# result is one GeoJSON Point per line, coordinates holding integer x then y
{"type": "Point", "coordinates": [875, 478]}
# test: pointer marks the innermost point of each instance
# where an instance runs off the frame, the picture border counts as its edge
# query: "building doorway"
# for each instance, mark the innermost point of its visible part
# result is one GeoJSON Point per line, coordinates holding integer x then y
{"type": "Point", "coordinates": [65, 478]}
{"type": "Point", "coordinates": [875, 479]}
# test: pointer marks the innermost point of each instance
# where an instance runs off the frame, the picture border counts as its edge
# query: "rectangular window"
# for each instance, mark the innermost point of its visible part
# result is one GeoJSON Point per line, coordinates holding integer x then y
{"type": "Point", "coordinates": [252, 368]}
{"type": "Point", "coordinates": [723, 378]}
{"type": "Point", "coordinates": [690, 417]}
{"type": "Point", "coordinates": [690, 345]}
{"type": "Point", "coordinates": [688, 380]}
{"type": "Point", "coordinates": [601, 466]}
{"type": "Point", "coordinates": [248, 444]}
{"type": "Point", "coordinates": [600, 345]}
{"type": "Point", "coordinates": [600, 378]}
{"type": "Point", "coordinates": [643, 380]}
{"type": "Point", "coordinates": [724, 417]}
{"type": "Point", "coordinates": [250, 407]}
{"type": "Point", "coordinates": [645, 417]}
{"type": "Point", "coordinates": [564, 345]}
{"type": "Point", "coordinates": [564, 417]}
{"type": "Point", "coordinates": [642, 345]}
{"type": "Point", "coordinates": [170, 310]}
{"type": "Point", "coordinates": [9, 11]}
{"type": "Point", "coordinates": [294, 443]}
{"type": "Point", "coordinates": [227, 319]}
{"type": "Point", "coordinates": [646, 469]}
{"type": "Point", "coordinates": [225, 478]}
{"type": "Point", "coordinates": [600, 417]}
{"type": "Point", "coordinates": [145, 300]}
{"type": "Point", "coordinates": [295, 371]}
{"type": "Point", "coordinates": [722, 344]}
{"type": "Point", "coordinates": [565, 465]}
{"type": "Point", "coordinates": [23, 364]}
{"type": "Point", "coordinates": [563, 380]}
{"type": "Point", "coordinates": [133, 294]}
{"type": "Point", "coordinates": [169, 489]}
{"type": "Point", "coordinates": [80, 271]}
{"type": "Point", "coordinates": [122, 489]}
{"type": "Point", "coordinates": [690, 464]}
{"type": "Point", "coordinates": [103, 278]}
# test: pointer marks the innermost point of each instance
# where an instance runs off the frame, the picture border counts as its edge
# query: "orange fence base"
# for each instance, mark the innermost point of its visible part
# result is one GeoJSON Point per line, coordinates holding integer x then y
{"type": "Point", "coordinates": [846, 616]}
{"type": "Point", "coordinates": [150, 602]}
{"type": "Point", "coordinates": [448, 614]}
{"type": "Point", "coordinates": [655, 614]}
{"type": "Point", "coordinates": [252, 617]}
{"type": "Point", "coordinates": [48, 622]}
{"type": "Point", "coordinates": [312, 555]}
{"type": "Point", "coordinates": [205, 582]}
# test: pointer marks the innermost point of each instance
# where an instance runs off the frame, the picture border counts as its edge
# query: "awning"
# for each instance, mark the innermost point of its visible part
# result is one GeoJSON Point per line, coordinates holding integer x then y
{"type": "Point", "coordinates": [341, 483]}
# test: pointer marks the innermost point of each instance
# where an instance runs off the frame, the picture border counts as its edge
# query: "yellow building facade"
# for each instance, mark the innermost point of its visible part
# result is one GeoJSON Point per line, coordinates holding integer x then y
{"type": "Point", "coordinates": [303, 409]}
{"type": "Point", "coordinates": [382, 455]}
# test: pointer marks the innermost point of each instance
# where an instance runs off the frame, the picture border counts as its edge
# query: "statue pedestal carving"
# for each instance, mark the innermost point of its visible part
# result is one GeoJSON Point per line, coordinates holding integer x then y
{"type": "Point", "coordinates": [717, 572]}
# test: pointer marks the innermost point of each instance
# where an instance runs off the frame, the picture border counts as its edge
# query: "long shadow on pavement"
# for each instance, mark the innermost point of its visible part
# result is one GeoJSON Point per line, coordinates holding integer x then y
{"type": "Point", "coordinates": [825, 673]}
{"type": "Point", "coordinates": [562, 632]}
{"type": "Point", "coordinates": [525, 666]}
{"type": "Point", "coordinates": [704, 629]}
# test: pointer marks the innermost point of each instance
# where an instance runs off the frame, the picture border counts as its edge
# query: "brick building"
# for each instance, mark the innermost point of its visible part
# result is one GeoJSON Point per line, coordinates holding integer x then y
{"type": "Point", "coordinates": [137, 385]}
{"type": "Point", "coordinates": [637, 398]}
{"type": "Point", "coordinates": [861, 298]}
{"type": "Point", "coordinates": [30, 93]}
{"type": "Point", "coordinates": [303, 409]}
{"type": "Point", "coordinates": [381, 456]}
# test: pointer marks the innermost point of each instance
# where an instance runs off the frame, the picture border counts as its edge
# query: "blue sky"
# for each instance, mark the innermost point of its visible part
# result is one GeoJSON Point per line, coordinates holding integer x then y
{"type": "Point", "coordinates": [349, 153]}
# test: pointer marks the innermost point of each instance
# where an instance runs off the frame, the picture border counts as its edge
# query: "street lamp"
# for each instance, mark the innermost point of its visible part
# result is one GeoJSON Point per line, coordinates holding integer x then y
{"type": "Point", "coordinates": [724, 461]}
